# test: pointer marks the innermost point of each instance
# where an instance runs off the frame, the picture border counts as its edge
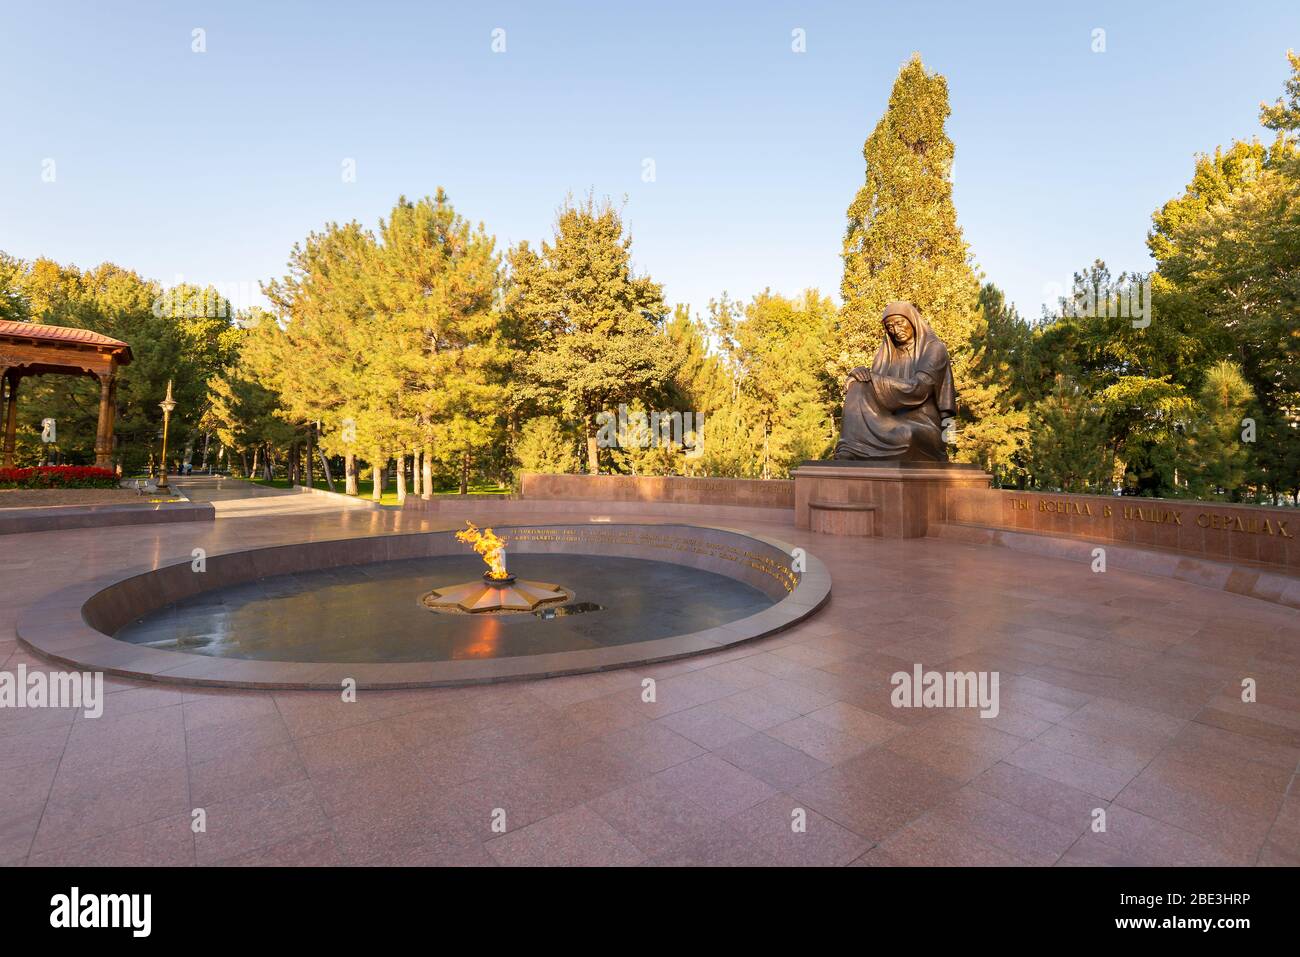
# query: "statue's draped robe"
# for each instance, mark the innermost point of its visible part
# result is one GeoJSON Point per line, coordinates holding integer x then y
{"type": "Point", "coordinates": [898, 414]}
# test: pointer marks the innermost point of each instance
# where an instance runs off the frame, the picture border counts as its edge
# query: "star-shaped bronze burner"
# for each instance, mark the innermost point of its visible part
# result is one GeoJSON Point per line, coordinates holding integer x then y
{"type": "Point", "coordinates": [495, 595]}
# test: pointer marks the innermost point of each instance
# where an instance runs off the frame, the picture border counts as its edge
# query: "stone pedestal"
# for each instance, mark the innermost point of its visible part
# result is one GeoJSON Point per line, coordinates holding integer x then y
{"type": "Point", "coordinates": [841, 518]}
{"type": "Point", "coordinates": [900, 498]}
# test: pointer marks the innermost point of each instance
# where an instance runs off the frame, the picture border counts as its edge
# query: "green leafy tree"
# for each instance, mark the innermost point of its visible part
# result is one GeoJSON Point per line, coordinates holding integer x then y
{"type": "Point", "coordinates": [1284, 114]}
{"type": "Point", "coordinates": [1237, 264]}
{"type": "Point", "coordinates": [13, 304]}
{"type": "Point", "coordinates": [903, 242]}
{"type": "Point", "coordinates": [643, 450]}
{"type": "Point", "coordinates": [1228, 252]}
{"type": "Point", "coordinates": [779, 357]}
{"type": "Point", "coordinates": [171, 336]}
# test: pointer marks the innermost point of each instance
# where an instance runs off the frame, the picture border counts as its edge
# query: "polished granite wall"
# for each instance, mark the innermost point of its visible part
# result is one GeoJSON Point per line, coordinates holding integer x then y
{"type": "Point", "coordinates": [1216, 530]}
{"type": "Point", "coordinates": [675, 489]}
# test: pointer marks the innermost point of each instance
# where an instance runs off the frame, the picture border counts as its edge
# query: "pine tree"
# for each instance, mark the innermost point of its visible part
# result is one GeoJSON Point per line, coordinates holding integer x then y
{"type": "Point", "coordinates": [442, 359]}
{"type": "Point", "coordinates": [1068, 452]}
{"type": "Point", "coordinates": [391, 341]}
{"type": "Point", "coordinates": [243, 412]}
{"type": "Point", "coordinates": [733, 442]}
{"type": "Point", "coordinates": [593, 323]}
{"type": "Point", "coordinates": [701, 382]}
{"type": "Point", "coordinates": [320, 362]}
{"type": "Point", "coordinates": [995, 391]}
{"type": "Point", "coordinates": [545, 446]}
{"type": "Point", "coordinates": [1216, 454]}
{"type": "Point", "coordinates": [1134, 373]}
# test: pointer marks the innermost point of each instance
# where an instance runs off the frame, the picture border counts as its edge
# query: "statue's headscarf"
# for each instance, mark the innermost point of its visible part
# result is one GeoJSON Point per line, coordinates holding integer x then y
{"type": "Point", "coordinates": [925, 353]}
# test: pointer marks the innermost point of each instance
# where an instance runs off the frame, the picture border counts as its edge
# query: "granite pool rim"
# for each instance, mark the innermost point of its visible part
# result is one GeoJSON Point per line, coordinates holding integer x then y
{"type": "Point", "coordinates": [72, 626]}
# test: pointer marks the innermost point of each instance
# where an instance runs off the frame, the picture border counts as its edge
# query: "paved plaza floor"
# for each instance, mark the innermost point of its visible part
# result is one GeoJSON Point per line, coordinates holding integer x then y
{"type": "Point", "coordinates": [1119, 693]}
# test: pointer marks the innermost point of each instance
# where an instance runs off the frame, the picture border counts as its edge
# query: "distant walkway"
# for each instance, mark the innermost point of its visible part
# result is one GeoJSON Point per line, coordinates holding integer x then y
{"type": "Point", "coordinates": [239, 498]}
{"type": "Point", "coordinates": [218, 488]}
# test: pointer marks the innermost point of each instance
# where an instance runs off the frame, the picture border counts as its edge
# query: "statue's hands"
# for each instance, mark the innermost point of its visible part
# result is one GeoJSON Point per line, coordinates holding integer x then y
{"type": "Point", "coordinates": [861, 373]}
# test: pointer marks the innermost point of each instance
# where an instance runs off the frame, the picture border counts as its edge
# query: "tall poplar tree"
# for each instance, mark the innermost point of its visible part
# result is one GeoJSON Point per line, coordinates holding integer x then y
{"type": "Point", "coordinates": [903, 242]}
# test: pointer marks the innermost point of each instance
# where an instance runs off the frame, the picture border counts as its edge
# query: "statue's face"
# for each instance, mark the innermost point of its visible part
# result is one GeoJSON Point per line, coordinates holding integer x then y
{"type": "Point", "coordinates": [899, 329]}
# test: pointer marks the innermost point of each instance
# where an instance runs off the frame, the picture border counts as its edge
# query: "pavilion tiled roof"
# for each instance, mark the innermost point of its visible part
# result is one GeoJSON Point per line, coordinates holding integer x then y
{"type": "Point", "coordinates": [39, 330]}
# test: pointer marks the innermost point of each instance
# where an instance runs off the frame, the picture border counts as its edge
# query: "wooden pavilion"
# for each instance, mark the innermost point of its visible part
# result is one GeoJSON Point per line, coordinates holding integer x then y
{"type": "Point", "coordinates": [32, 348]}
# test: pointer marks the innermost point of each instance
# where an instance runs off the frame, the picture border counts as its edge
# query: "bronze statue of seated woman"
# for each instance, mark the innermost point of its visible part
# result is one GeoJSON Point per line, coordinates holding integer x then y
{"type": "Point", "coordinates": [895, 410]}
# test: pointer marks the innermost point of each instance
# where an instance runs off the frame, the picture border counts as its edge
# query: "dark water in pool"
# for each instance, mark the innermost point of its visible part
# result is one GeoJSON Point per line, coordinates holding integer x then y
{"type": "Point", "coordinates": [370, 613]}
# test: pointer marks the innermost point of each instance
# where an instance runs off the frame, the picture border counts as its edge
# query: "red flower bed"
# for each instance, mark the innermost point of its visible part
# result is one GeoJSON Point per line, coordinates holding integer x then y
{"type": "Point", "coordinates": [59, 476]}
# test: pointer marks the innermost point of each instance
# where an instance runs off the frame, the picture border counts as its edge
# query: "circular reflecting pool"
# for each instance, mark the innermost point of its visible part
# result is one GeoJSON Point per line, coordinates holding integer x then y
{"type": "Point", "coordinates": [373, 612]}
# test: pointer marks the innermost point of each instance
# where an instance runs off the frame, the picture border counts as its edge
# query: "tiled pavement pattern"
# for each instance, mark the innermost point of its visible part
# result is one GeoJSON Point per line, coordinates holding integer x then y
{"type": "Point", "coordinates": [1118, 692]}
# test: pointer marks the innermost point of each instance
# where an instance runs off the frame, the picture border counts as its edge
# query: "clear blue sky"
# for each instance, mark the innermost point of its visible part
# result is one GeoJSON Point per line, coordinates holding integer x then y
{"type": "Point", "coordinates": [212, 165]}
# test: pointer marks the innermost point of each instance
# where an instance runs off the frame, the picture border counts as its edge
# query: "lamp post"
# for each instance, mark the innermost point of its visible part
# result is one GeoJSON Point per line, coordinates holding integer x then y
{"type": "Point", "coordinates": [168, 405]}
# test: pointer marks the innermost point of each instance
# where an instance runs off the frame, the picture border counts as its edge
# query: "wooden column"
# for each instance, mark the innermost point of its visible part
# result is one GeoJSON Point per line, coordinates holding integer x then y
{"type": "Point", "coordinates": [104, 427]}
{"type": "Point", "coordinates": [11, 422]}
